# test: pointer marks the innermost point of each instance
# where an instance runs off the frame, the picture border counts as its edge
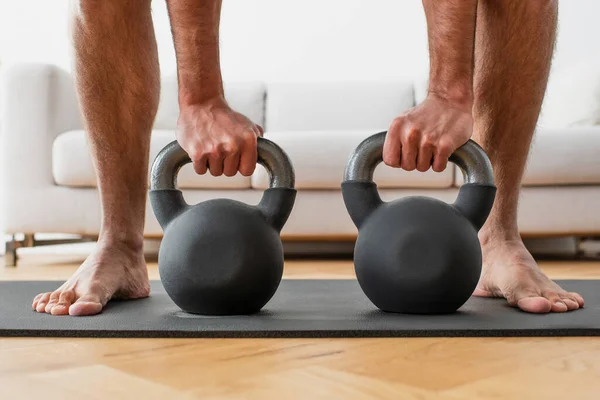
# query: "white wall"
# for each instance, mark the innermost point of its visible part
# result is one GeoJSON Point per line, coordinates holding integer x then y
{"type": "Point", "coordinates": [275, 40]}
{"type": "Point", "coordinates": [290, 40]}
{"type": "Point", "coordinates": [265, 39]}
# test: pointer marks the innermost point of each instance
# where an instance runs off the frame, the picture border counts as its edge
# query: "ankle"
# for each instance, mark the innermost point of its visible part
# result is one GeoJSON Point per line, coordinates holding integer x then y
{"type": "Point", "coordinates": [132, 242]}
{"type": "Point", "coordinates": [491, 235]}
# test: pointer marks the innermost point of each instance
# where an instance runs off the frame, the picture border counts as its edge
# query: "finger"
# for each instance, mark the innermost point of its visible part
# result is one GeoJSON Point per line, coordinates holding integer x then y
{"type": "Point", "coordinates": [440, 158]}
{"type": "Point", "coordinates": [260, 132]}
{"type": "Point", "coordinates": [392, 148]}
{"type": "Point", "coordinates": [410, 145]}
{"type": "Point", "coordinates": [201, 165]}
{"type": "Point", "coordinates": [439, 163]}
{"type": "Point", "coordinates": [215, 163]}
{"type": "Point", "coordinates": [424, 157]}
{"type": "Point", "coordinates": [231, 164]}
{"type": "Point", "coordinates": [248, 157]}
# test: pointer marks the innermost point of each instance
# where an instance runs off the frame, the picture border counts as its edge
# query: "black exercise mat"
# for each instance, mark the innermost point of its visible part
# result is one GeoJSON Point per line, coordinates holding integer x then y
{"type": "Point", "coordinates": [300, 308]}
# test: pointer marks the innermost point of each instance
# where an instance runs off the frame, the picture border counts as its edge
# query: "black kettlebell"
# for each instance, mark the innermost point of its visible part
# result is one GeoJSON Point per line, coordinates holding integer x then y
{"type": "Point", "coordinates": [417, 254]}
{"type": "Point", "coordinates": [221, 256]}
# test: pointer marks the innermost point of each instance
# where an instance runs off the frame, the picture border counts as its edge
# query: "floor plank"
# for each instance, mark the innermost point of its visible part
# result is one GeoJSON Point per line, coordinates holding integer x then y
{"type": "Point", "coordinates": [413, 368]}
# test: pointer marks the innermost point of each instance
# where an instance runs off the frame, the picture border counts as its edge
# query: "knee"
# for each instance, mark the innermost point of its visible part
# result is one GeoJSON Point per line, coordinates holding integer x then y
{"type": "Point", "coordinates": [90, 10]}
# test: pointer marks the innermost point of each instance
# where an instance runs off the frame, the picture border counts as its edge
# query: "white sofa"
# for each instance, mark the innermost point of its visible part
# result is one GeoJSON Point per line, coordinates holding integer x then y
{"type": "Point", "coordinates": [49, 184]}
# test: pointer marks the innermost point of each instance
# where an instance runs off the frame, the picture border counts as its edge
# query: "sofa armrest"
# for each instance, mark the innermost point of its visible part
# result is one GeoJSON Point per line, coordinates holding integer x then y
{"type": "Point", "coordinates": [38, 102]}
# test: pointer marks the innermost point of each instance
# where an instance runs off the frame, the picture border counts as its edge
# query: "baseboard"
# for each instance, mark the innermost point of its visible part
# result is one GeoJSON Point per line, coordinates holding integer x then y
{"type": "Point", "coordinates": [342, 246]}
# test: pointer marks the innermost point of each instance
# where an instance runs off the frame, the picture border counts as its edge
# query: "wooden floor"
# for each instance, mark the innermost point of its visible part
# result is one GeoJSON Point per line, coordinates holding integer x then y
{"type": "Point", "coordinates": [428, 368]}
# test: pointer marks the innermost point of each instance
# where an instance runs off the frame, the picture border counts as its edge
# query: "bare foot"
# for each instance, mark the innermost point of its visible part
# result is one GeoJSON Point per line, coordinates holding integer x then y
{"type": "Point", "coordinates": [510, 271]}
{"type": "Point", "coordinates": [112, 271]}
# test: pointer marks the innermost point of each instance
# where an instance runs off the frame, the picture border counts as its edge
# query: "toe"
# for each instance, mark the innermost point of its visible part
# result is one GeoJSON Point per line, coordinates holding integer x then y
{"type": "Point", "coordinates": [81, 308]}
{"type": "Point", "coordinates": [35, 300]}
{"type": "Point", "coordinates": [535, 304]}
{"type": "Point", "coordinates": [42, 301]}
{"type": "Point", "coordinates": [570, 303]}
{"type": "Point", "coordinates": [86, 305]}
{"type": "Point", "coordinates": [64, 302]}
{"type": "Point", "coordinates": [479, 292]}
{"type": "Point", "coordinates": [570, 300]}
{"type": "Point", "coordinates": [52, 301]}
{"type": "Point", "coordinates": [528, 300]}
{"type": "Point", "coordinates": [558, 304]}
{"type": "Point", "coordinates": [577, 298]}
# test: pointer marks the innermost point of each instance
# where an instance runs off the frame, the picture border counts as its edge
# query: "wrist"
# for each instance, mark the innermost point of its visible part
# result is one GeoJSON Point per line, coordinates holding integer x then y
{"type": "Point", "coordinates": [459, 95]}
{"type": "Point", "coordinates": [199, 87]}
{"type": "Point", "coordinates": [214, 99]}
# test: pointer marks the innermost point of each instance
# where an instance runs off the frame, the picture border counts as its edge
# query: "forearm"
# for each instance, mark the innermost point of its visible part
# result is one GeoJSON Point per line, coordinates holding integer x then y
{"type": "Point", "coordinates": [195, 26]}
{"type": "Point", "coordinates": [451, 32]}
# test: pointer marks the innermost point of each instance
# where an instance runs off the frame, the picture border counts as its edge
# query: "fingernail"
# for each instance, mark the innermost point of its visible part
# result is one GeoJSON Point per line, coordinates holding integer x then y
{"type": "Point", "coordinates": [559, 303]}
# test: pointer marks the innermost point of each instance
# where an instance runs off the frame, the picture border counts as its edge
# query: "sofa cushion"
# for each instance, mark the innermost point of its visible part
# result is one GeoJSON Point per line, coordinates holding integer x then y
{"type": "Point", "coordinates": [247, 98]}
{"type": "Point", "coordinates": [72, 164]}
{"type": "Point", "coordinates": [566, 156]}
{"type": "Point", "coordinates": [320, 158]}
{"type": "Point", "coordinates": [336, 105]}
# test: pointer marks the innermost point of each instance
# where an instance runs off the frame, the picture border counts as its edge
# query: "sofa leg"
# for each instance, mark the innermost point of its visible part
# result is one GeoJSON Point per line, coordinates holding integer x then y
{"type": "Point", "coordinates": [11, 257]}
{"type": "Point", "coordinates": [588, 247]}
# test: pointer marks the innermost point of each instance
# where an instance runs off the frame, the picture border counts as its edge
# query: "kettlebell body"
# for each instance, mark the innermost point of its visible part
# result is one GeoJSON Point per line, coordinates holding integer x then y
{"type": "Point", "coordinates": [415, 255]}
{"type": "Point", "coordinates": [221, 256]}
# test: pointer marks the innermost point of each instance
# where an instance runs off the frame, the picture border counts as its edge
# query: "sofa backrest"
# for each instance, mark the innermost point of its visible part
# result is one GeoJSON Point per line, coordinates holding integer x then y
{"type": "Point", "coordinates": [357, 105]}
{"type": "Point", "coordinates": [247, 98]}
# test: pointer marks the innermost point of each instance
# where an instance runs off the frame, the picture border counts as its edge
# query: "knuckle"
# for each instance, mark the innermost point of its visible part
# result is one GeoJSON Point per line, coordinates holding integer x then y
{"type": "Point", "coordinates": [249, 138]}
{"type": "Point", "coordinates": [195, 155]}
{"type": "Point", "coordinates": [428, 141]}
{"type": "Point", "coordinates": [214, 152]}
{"type": "Point", "coordinates": [396, 124]}
{"type": "Point", "coordinates": [412, 135]}
{"type": "Point", "coordinates": [229, 147]}
{"type": "Point", "coordinates": [444, 150]}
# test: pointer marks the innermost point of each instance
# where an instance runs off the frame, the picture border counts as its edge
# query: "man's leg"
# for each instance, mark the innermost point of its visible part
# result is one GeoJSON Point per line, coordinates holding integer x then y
{"type": "Point", "coordinates": [513, 51]}
{"type": "Point", "coordinates": [118, 80]}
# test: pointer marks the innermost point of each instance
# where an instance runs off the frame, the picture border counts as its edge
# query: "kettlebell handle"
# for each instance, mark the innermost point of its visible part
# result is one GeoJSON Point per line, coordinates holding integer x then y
{"type": "Point", "coordinates": [470, 158]}
{"type": "Point", "coordinates": [475, 198]}
{"type": "Point", "coordinates": [172, 158]}
{"type": "Point", "coordinates": [276, 203]}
